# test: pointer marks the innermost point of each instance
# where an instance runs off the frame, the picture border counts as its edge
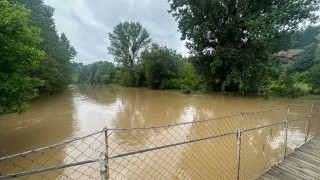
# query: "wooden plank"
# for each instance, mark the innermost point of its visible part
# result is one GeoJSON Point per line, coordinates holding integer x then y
{"type": "Point", "coordinates": [309, 165]}
{"type": "Point", "coordinates": [310, 149]}
{"type": "Point", "coordinates": [284, 173]}
{"type": "Point", "coordinates": [290, 172]}
{"type": "Point", "coordinates": [313, 147]}
{"type": "Point", "coordinates": [305, 172]}
{"type": "Point", "coordinates": [311, 159]}
{"type": "Point", "coordinates": [266, 177]}
{"type": "Point", "coordinates": [269, 177]}
{"type": "Point", "coordinates": [311, 153]}
{"type": "Point", "coordinates": [303, 163]}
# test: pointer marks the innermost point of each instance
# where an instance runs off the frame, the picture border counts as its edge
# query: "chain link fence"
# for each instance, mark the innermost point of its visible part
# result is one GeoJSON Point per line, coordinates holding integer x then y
{"type": "Point", "coordinates": [241, 146]}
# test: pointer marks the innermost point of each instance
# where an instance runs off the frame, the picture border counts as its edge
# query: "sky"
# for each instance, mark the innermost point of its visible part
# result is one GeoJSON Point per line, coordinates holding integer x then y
{"type": "Point", "coordinates": [88, 22]}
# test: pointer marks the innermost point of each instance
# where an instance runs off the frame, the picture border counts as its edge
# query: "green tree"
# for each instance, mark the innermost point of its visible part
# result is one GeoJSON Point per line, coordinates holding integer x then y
{"type": "Point", "coordinates": [161, 64]}
{"type": "Point", "coordinates": [232, 41]}
{"type": "Point", "coordinates": [314, 79]}
{"type": "Point", "coordinates": [313, 74]}
{"type": "Point", "coordinates": [305, 60]}
{"type": "Point", "coordinates": [127, 41]}
{"type": "Point", "coordinates": [306, 36]}
{"type": "Point", "coordinates": [55, 67]}
{"type": "Point", "coordinates": [103, 72]}
{"type": "Point", "coordinates": [19, 57]}
{"type": "Point", "coordinates": [189, 77]}
{"type": "Point", "coordinates": [106, 72]}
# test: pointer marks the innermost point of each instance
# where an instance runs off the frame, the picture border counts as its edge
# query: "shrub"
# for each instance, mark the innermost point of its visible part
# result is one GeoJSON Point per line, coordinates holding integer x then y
{"type": "Point", "coordinates": [185, 89]}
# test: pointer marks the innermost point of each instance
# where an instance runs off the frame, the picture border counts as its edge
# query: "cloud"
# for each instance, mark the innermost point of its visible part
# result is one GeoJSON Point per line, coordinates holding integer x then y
{"type": "Point", "coordinates": [87, 24]}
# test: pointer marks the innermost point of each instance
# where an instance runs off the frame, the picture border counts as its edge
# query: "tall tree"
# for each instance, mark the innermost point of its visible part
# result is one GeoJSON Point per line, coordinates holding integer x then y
{"type": "Point", "coordinates": [231, 41]}
{"type": "Point", "coordinates": [55, 67]}
{"type": "Point", "coordinates": [66, 54]}
{"type": "Point", "coordinates": [127, 40]}
{"type": "Point", "coordinates": [19, 56]}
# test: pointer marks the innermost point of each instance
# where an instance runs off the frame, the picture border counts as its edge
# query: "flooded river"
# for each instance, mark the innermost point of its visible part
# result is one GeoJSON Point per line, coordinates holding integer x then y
{"type": "Point", "coordinates": [82, 109]}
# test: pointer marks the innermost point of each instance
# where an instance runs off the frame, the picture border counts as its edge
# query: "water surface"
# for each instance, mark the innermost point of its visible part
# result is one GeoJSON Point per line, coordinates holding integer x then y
{"type": "Point", "coordinates": [82, 109]}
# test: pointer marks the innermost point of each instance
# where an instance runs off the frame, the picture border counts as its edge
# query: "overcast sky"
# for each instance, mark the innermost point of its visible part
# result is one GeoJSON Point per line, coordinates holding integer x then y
{"type": "Point", "coordinates": [88, 22]}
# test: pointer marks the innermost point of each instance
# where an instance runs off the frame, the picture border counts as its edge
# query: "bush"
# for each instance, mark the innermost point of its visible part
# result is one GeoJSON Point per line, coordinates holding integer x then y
{"type": "Point", "coordinates": [287, 85]}
{"type": "Point", "coordinates": [171, 84]}
{"type": "Point", "coordinates": [185, 89]}
{"type": "Point", "coordinates": [290, 91]}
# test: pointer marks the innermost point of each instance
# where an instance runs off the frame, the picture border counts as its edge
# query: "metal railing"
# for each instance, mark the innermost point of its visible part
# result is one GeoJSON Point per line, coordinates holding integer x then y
{"type": "Point", "coordinates": [240, 146]}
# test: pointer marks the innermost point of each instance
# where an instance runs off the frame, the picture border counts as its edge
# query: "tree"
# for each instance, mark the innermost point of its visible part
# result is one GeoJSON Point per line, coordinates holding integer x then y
{"type": "Point", "coordinates": [97, 72]}
{"type": "Point", "coordinates": [55, 67]}
{"type": "Point", "coordinates": [19, 57]}
{"type": "Point", "coordinates": [231, 42]}
{"type": "Point", "coordinates": [126, 43]}
{"type": "Point", "coordinates": [306, 36]}
{"type": "Point", "coordinates": [161, 64]}
{"type": "Point", "coordinates": [304, 60]}
{"type": "Point", "coordinates": [66, 54]}
{"type": "Point", "coordinates": [313, 77]}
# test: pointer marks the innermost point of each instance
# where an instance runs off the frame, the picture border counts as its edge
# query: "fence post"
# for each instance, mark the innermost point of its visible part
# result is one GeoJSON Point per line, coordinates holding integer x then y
{"type": "Point", "coordinates": [309, 123]}
{"type": "Point", "coordinates": [106, 156]}
{"type": "Point", "coordinates": [308, 128]}
{"type": "Point", "coordinates": [103, 169]}
{"type": "Point", "coordinates": [286, 122]}
{"type": "Point", "coordinates": [239, 133]}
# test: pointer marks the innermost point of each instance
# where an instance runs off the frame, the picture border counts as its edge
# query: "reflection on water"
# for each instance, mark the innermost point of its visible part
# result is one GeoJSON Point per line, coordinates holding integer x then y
{"type": "Point", "coordinates": [82, 109]}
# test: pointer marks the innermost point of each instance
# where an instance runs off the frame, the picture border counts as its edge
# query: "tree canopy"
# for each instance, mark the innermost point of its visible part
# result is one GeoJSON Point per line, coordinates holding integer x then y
{"type": "Point", "coordinates": [160, 64]}
{"type": "Point", "coordinates": [34, 58]}
{"type": "Point", "coordinates": [55, 68]}
{"type": "Point", "coordinates": [126, 42]}
{"type": "Point", "coordinates": [97, 72]}
{"type": "Point", "coordinates": [19, 57]}
{"type": "Point", "coordinates": [232, 42]}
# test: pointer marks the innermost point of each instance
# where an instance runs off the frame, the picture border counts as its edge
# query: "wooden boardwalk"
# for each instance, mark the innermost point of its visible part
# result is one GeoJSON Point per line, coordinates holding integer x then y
{"type": "Point", "coordinates": [303, 163]}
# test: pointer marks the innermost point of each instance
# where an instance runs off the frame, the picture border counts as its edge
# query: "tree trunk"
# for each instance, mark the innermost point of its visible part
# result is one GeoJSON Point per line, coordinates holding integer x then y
{"type": "Point", "coordinates": [223, 86]}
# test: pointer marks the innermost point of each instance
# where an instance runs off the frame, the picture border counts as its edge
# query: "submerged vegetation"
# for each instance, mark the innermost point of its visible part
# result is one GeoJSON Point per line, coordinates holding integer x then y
{"type": "Point", "coordinates": [257, 48]}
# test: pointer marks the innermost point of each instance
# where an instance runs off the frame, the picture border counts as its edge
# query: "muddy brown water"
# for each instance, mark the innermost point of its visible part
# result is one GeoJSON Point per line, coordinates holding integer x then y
{"type": "Point", "coordinates": [82, 109]}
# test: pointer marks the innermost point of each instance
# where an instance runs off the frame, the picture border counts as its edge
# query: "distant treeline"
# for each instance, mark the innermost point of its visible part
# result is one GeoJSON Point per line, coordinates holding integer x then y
{"type": "Point", "coordinates": [159, 68]}
{"type": "Point", "coordinates": [35, 59]}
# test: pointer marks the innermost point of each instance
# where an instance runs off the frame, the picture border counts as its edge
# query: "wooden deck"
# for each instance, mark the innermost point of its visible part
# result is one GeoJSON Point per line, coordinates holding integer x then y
{"type": "Point", "coordinates": [303, 163]}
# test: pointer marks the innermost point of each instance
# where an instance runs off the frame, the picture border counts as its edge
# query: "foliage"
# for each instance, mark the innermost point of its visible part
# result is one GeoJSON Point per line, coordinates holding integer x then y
{"type": "Point", "coordinates": [103, 72]}
{"type": "Point", "coordinates": [19, 57]}
{"type": "Point", "coordinates": [287, 85]}
{"type": "Point", "coordinates": [306, 36]}
{"type": "Point", "coordinates": [232, 41]}
{"type": "Point", "coordinates": [127, 41]}
{"type": "Point", "coordinates": [161, 64]}
{"type": "Point", "coordinates": [189, 79]}
{"type": "Point", "coordinates": [304, 60]}
{"type": "Point", "coordinates": [55, 68]}
{"type": "Point", "coordinates": [314, 79]}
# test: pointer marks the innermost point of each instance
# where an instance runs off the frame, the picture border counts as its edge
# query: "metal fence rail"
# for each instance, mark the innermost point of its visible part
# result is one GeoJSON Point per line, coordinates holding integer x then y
{"type": "Point", "coordinates": [240, 146]}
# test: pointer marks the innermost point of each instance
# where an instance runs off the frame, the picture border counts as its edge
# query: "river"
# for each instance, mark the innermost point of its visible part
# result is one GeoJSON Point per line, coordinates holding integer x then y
{"type": "Point", "coordinates": [82, 109]}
